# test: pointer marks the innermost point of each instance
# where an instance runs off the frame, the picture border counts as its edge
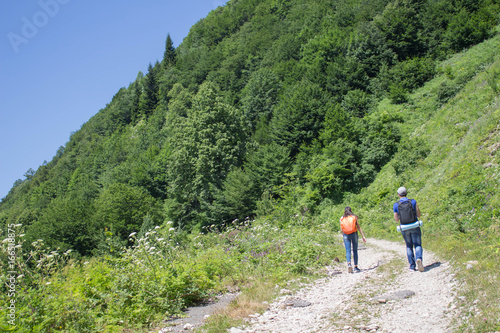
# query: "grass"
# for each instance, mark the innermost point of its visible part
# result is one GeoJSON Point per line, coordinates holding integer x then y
{"type": "Point", "coordinates": [479, 293]}
{"type": "Point", "coordinates": [251, 301]}
{"type": "Point", "coordinates": [157, 278]}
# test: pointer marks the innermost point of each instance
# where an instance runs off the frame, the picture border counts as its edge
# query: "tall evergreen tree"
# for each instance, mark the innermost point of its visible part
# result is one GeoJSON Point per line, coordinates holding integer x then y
{"type": "Point", "coordinates": [169, 54]}
{"type": "Point", "coordinates": [135, 92]}
{"type": "Point", "coordinates": [149, 97]}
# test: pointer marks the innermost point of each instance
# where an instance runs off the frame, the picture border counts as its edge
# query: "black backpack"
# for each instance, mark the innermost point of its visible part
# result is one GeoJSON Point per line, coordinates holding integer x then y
{"type": "Point", "coordinates": [406, 212]}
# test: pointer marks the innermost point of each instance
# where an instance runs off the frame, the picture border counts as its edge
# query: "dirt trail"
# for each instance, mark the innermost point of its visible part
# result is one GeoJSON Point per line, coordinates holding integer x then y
{"type": "Point", "coordinates": [370, 301]}
{"type": "Point", "coordinates": [384, 297]}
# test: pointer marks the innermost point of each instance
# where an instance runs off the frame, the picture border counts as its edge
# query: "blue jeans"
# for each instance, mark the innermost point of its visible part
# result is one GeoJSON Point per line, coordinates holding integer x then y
{"type": "Point", "coordinates": [349, 240]}
{"type": "Point", "coordinates": [413, 239]}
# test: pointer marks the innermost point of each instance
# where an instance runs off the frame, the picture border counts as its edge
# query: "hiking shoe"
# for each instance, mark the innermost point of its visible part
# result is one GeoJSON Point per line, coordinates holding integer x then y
{"type": "Point", "coordinates": [356, 269]}
{"type": "Point", "coordinates": [349, 269]}
{"type": "Point", "coordinates": [420, 265]}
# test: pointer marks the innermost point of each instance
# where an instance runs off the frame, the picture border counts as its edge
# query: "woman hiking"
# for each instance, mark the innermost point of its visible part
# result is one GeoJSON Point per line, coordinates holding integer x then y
{"type": "Point", "coordinates": [349, 226]}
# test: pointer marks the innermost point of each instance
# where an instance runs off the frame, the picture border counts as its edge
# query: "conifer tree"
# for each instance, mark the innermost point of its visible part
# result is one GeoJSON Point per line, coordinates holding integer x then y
{"type": "Point", "coordinates": [136, 91]}
{"type": "Point", "coordinates": [149, 96]}
{"type": "Point", "coordinates": [169, 55]}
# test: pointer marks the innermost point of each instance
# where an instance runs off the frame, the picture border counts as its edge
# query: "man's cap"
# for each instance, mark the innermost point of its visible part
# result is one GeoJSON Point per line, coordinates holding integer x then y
{"type": "Point", "coordinates": [402, 191]}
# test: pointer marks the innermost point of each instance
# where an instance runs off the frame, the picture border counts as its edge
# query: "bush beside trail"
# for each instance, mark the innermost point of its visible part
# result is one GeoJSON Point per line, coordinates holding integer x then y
{"type": "Point", "coordinates": [159, 276]}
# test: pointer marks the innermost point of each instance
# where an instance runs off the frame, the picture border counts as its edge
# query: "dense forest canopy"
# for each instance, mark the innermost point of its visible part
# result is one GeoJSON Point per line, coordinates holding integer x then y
{"type": "Point", "coordinates": [265, 101]}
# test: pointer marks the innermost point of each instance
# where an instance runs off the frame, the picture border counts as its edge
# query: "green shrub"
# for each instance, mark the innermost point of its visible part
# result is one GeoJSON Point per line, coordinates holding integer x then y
{"type": "Point", "coordinates": [410, 152]}
{"type": "Point", "coordinates": [398, 94]}
{"type": "Point", "coordinates": [446, 90]}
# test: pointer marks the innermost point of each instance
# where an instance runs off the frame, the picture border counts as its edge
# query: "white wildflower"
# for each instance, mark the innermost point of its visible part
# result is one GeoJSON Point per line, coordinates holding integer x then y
{"type": "Point", "coordinates": [48, 283]}
{"type": "Point", "coordinates": [132, 234]}
{"type": "Point", "coordinates": [157, 227]}
{"type": "Point", "coordinates": [171, 229]}
{"type": "Point", "coordinates": [170, 222]}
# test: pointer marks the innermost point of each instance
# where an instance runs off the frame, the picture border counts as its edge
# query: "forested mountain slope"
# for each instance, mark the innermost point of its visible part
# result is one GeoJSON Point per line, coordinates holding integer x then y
{"type": "Point", "coordinates": [262, 97]}
{"type": "Point", "coordinates": [282, 111]}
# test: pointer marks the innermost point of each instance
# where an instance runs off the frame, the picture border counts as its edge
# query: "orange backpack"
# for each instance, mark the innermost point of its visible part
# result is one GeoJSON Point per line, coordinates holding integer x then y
{"type": "Point", "coordinates": [348, 224]}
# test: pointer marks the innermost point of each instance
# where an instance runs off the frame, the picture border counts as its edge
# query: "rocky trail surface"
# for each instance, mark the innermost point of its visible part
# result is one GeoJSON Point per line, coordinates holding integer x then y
{"type": "Point", "coordinates": [384, 297]}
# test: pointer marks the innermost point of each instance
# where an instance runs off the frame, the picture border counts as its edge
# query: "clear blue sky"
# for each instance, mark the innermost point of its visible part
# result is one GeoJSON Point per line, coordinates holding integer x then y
{"type": "Point", "coordinates": [61, 61]}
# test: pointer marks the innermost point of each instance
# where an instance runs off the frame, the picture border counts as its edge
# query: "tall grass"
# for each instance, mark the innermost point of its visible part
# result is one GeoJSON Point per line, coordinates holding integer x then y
{"type": "Point", "coordinates": [164, 272]}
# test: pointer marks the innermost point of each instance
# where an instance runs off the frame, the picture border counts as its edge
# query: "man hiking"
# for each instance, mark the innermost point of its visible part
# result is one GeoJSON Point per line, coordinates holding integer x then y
{"type": "Point", "coordinates": [406, 211]}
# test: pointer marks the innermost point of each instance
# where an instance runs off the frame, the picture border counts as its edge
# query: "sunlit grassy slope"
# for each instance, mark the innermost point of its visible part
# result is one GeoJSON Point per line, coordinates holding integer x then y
{"type": "Point", "coordinates": [449, 162]}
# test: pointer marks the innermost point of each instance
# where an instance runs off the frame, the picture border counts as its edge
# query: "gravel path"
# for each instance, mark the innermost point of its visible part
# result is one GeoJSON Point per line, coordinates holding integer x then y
{"type": "Point", "coordinates": [385, 297]}
{"type": "Point", "coordinates": [195, 316]}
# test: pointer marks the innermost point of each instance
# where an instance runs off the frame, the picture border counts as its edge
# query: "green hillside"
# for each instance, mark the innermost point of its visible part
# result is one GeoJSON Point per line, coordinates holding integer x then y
{"type": "Point", "coordinates": [228, 163]}
{"type": "Point", "coordinates": [447, 154]}
{"type": "Point", "coordinates": [449, 163]}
